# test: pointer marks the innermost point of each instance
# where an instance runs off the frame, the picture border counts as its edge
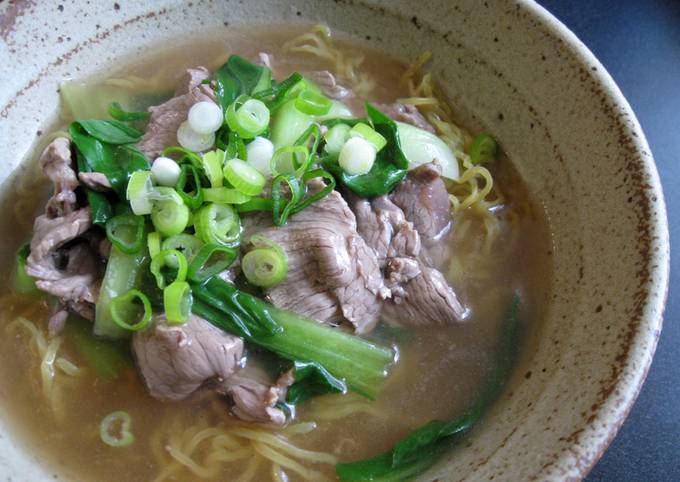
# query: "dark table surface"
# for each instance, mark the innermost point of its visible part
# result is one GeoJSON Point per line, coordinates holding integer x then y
{"type": "Point", "coordinates": [639, 44]}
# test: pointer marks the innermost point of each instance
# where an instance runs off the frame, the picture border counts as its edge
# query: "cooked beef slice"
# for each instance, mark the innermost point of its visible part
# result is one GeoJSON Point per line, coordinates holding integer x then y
{"type": "Point", "coordinates": [56, 163]}
{"type": "Point", "coordinates": [333, 276]}
{"type": "Point", "coordinates": [419, 294]}
{"type": "Point", "coordinates": [176, 360]}
{"type": "Point", "coordinates": [95, 181]}
{"type": "Point", "coordinates": [423, 198]}
{"type": "Point", "coordinates": [326, 81]}
{"type": "Point", "coordinates": [408, 114]}
{"type": "Point", "coordinates": [166, 118]}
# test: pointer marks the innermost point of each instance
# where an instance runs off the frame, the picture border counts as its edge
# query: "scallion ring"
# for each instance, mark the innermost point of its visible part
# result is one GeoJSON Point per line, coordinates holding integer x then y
{"type": "Point", "coordinates": [210, 260]}
{"type": "Point", "coordinates": [169, 215]}
{"type": "Point", "coordinates": [114, 429]}
{"type": "Point", "coordinates": [247, 117]}
{"type": "Point", "coordinates": [124, 309]}
{"type": "Point", "coordinates": [266, 265]}
{"type": "Point", "coordinates": [186, 244]}
{"type": "Point", "coordinates": [369, 134]}
{"type": "Point", "coordinates": [183, 154]}
{"type": "Point", "coordinates": [311, 102]}
{"type": "Point", "coordinates": [189, 186]}
{"type": "Point", "coordinates": [224, 195]}
{"type": "Point", "coordinates": [138, 190]}
{"type": "Point", "coordinates": [162, 259]}
{"type": "Point", "coordinates": [213, 163]}
{"type": "Point", "coordinates": [177, 301]}
{"type": "Point", "coordinates": [218, 224]}
{"type": "Point", "coordinates": [282, 208]}
{"type": "Point", "coordinates": [308, 176]}
{"type": "Point", "coordinates": [244, 177]}
{"type": "Point", "coordinates": [126, 232]}
{"type": "Point", "coordinates": [153, 242]}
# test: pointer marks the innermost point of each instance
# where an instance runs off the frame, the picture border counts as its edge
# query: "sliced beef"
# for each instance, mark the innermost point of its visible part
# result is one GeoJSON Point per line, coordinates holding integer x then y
{"type": "Point", "coordinates": [423, 198]}
{"type": "Point", "coordinates": [419, 294]}
{"type": "Point", "coordinates": [333, 275]}
{"type": "Point", "coordinates": [95, 181]}
{"type": "Point", "coordinates": [406, 113]}
{"type": "Point", "coordinates": [166, 118]}
{"type": "Point", "coordinates": [326, 81]}
{"type": "Point", "coordinates": [56, 163]}
{"type": "Point", "coordinates": [254, 397]}
{"type": "Point", "coordinates": [62, 264]}
{"type": "Point", "coordinates": [176, 360]}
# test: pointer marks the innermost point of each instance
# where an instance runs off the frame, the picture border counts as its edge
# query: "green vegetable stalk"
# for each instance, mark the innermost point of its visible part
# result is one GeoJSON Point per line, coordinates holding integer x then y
{"type": "Point", "coordinates": [360, 364]}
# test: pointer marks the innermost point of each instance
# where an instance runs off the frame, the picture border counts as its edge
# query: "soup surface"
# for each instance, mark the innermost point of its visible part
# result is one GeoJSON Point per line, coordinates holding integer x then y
{"type": "Point", "coordinates": [440, 372]}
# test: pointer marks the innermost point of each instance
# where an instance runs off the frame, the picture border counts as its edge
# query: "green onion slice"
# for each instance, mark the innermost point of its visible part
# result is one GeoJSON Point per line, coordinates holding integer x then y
{"type": "Point", "coordinates": [186, 244]}
{"type": "Point", "coordinates": [311, 135]}
{"type": "Point", "coordinates": [266, 265]}
{"type": "Point", "coordinates": [189, 186]}
{"type": "Point", "coordinates": [114, 429]}
{"type": "Point", "coordinates": [138, 191]}
{"type": "Point", "coordinates": [308, 176]}
{"type": "Point", "coordinates": [224, 195]}
{"type": "Point", "coordinates": [255, 204]}
{"type": "Point", "coordinates": [235, 148]}
{"type": "Point", "coordinates": [484, 148]}
{"type": "Point", "coordinates": [213, 163]}
{"type": "Point", "coordinates": [311, 102]}
{"type": "Point", "coordinates": [153, 243]}
{"type": "Point", "coordinates": [244, 177]}
{"type": "Point", "coordinates": [369, 134]}
{"type": "Point", "coordinates": [182, 155]}
{"type": "Point", "coordinates": [335, 138]}
{"type": "Point", "coordinates": [168, 257]}
{"type": "Point", "coordinates": [169, 215]}
{"type": "Point", "coordinates": [218, 224]}
{"type": "Point", "coordinates": [288, 159]}
{"type": "Point", "coordinates": [177, 301]}
{"type": "Point", "coordinates": [247, 117]}
{"type": "Point", "coordinates": [126, 232]}
{"type": "Point", "coordinates": [124, 309]}
{"type": "Point", "coordinates": [280, 93]}
{"type": "Point", "coordinates": [210, 260]}
{"type": "Point", "coordinates": [282, 208]}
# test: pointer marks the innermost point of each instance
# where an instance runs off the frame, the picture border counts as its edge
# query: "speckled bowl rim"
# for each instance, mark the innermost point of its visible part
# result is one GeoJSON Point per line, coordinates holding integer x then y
{"type": "Point", "coordinates": [659, 262]}
{"type": "Point", "coordinates": [639, 355]}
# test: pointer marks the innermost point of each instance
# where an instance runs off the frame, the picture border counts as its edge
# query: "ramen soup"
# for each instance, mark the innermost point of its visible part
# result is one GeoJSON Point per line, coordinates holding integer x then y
{"type": "Point", "coordinates": [271, 256]}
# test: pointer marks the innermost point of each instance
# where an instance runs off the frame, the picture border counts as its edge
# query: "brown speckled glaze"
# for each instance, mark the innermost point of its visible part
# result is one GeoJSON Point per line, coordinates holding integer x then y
{"type": "Point", "coordinates": [513, 68]}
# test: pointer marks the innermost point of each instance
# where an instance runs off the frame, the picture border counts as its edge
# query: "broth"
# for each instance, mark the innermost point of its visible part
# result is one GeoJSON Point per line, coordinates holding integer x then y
{"type": "Point", "coordinates": [440, 372]}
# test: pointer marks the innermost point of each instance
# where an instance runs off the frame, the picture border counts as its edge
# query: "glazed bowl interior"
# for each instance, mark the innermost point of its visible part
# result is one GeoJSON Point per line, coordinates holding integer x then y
{"type": "Point", "coordinates": [506, 66]}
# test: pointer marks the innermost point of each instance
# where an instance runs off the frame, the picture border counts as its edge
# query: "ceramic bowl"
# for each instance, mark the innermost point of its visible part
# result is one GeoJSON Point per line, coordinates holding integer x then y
{"type": "Point", "coordinates": [520, 73]}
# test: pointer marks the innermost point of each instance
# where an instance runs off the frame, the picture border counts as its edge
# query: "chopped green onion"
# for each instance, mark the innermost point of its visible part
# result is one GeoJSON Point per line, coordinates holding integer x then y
{"type": "Point", "coordinates": [153, 243]}
{"type": "Point", "coordinates": [126, 232]}
{"type": "Point", "coordinates": [244, 177]}
{"type": "Point", "coordinates": [177, 301]}
{"type": "Point", "coordinates": [235, 147]}
{"type": "Point", "coordinates": [357, 156]}
{"type": "Point", "coordinates": [282, 208]}
{"type": "Point", "coordinates": [286, 158]}
{"type": "Point", "coordinates": [124, 309]}
{"type": "Point", "coordinates": [266, 265]}
{"type": "Point", "coordinates": [210, 260]}
{"type": "Point", "coordinates": [224, 195]}
{"type": "Point", "coordinates": [255, 204]}
{"type": "Point", "coordinates": [169, 216]}
{"type": "Point", "coordinates": [484, 148]}
{"type": "Point", "coordinates": [367, 132]}
{"type": "Point", "coordinates": [186, 244]}
{"type": "Point", "coordinates": [21, 281]}
{"type": "Point", "coordinates": [247, 117]}
{"type": "Point", "coordinates": [189, 186]}
{"type": "Point", "coordinates": [281, 92]}
{"type": "Point", "coordinates": [138, 189]}
{"type": "Point", "coordinates": [218, 224]}
{"type": "Point", "coordinates": [114, 429]}
{"type": "Point", "coordinates": [185, 155]}
{"type": "Point", "coordinates": [213, 163]}
{"type": "Point", "coordinates": [311, 102]}
{"type": "Point", "coordinates": [162, 259]}
{"type": "Point", "coordinates": [335, 138]}
{"type": "Point", "coordinates": [308, 176]}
